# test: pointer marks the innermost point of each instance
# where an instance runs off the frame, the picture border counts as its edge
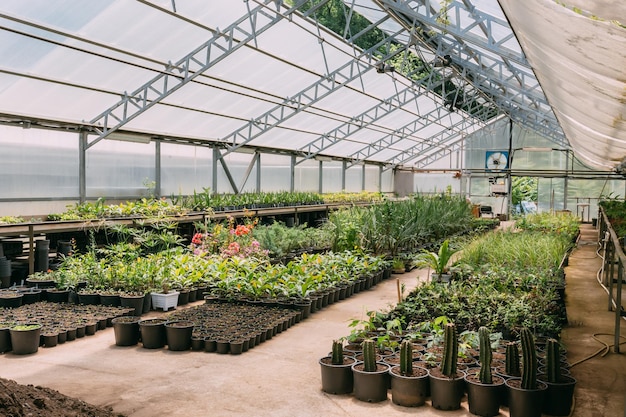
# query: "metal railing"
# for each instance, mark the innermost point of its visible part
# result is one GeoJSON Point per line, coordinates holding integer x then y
{"type": "Point", "coordinates": [613, 272]}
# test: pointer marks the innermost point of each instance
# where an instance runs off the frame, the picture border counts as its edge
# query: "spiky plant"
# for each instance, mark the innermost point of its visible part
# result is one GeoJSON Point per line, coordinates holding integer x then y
{"type": "Point", "coordinates": [337, 353]}
{"type": "Point", "coordinates": [485, 356]}
{"type": "Point", "coordinates": [450, 351]}
{"type": "Point", "coordinates": [553, 361]}
{"type": "Point", "coordinates": [369, 355]}
{"type": "Point", "coordinates": [512, 366]}
{"type": "Point", "coordinates": [406, 357]}
{"type": "Point", "coordinates": [529, 364]}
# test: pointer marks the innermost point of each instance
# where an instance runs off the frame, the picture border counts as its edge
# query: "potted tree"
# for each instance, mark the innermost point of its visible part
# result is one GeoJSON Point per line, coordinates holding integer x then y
{"type": "Point", "coordinates": [526, 394]}
{"type": "Point", "coordinates": [337, 370]}
{"type": "Point", "coordinates": [446, 381]}
{"type": "Point", "coordinates": [370, 377]}
{"type": "Point", "coordinates": [483, 388]}
{"type": "Point", "coordinates": [438, 262]}
{"type": "Point", "coordinates": [560, 392]}
{"type": "Point", "coordinates": [409, 384]}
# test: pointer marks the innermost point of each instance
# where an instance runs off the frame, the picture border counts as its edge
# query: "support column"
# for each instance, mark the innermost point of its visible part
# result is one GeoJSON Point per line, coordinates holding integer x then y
{"type": "Point", "coordinates": [82, 166]}
{"type": "Point", "coordinates": [157, 169]}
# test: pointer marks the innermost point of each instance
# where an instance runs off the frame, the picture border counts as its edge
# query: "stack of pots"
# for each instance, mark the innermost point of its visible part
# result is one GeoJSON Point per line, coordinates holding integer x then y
{"type": "Point", "coordinates": [42, 249]}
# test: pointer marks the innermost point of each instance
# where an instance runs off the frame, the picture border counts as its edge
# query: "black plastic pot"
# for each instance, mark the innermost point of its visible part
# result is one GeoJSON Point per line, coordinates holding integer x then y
{"type": "Point", "coordinates": [446, 393]}
{"type": "Point", "coordinates": [11, 300]}
{"type": "Point", "coordinates": [523, 402]}
{"type": "Point", "coordinates": [133, 301]}
{"type": "Point", "coordinates": [89, 298]}
{"type": "Point", "coordinates": [24, 342]}
{"type": "Point", "coordinates": [337, 379]}
{"type": "Point", "coordinates": [559, 396]}
{"type": "Point", "coordinates": [153, 333]}
{"type": "Point", "coordinates": [178, 334]}
{"type": "Point", "coordinates": [112, 300]}
{"type": "Point", "coordinates": [5, 338]}
{"type": "Point", "coordinates": [126, 329]}
{"type": "Point", "coordinates": [484, 399]}
{"type": "Point", "coordinates": [409, 391]}
{"type": "Point", "coordinates": [57, 296]}
{"type": "Point", "coordinates": [370, 386]}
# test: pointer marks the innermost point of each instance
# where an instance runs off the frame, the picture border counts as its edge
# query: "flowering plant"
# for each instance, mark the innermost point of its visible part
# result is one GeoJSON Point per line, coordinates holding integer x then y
{"type": "Point", "coordinates": [228, 240]}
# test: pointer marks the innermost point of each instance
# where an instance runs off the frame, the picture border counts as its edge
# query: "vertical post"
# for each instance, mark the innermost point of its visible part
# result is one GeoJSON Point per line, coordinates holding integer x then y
{"type": "Point", "coordinates": [82, 166]}
{"type": "Point", "coordinates": [214, 170]}
{"type": "Point", "coordinates": [618, 305]}
{"type": "Point", "coordinates": [380, 178]}
{"type": "Point", "coordinates": [157, 168]}
{"type": "Point", "coordinates": [258, 172]}
{"type": "Point", "coordinates": [320, 180]}
{"type": "Point", "coordinates": [565, 185]}
{"type": "Point", "coordinates": [343, 175]}
{"type": "Point", "coordinates": [363, 178]}
{"type": "Point", "coordinates": [509, 197]}
{"type": "Point", "coordinates": [31, 250]}
{"type": "Point", "coordinates": [292, 170]}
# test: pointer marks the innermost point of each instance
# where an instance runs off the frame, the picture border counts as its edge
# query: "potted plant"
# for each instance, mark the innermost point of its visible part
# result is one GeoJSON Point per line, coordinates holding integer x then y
{"type": "Point", "coordinates": [10, 298]}
{"type": "Point", "coordinates": [165, 299]}
{"type": "Point", "coordinates": [483, 388]}
{"type": "Point", "coordinates": [370, 377]}
{"type": "Point", "coordinates": [526, 393]}
{"type": "Point", "coordinates": [560, 392]}
{"type": "Point", "coordinates": [25, 338]}
{"type": "Point", "coordinates": [409, 384]}
{"type": "Point", "coordinates": [447, 383]}
{"type": "Point", "coordinates": [178, 334]}
{"type": "Point", "coordinates": [438, 262]}
{"type": "Point", "coordinates": [337, 370]}
{"type": "Point", "coordinates": [126, 330]}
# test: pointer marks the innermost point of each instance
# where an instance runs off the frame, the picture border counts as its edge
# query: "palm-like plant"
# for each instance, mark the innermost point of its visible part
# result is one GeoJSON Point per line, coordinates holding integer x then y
{"type": "Point", "coordinates": [437, 261]}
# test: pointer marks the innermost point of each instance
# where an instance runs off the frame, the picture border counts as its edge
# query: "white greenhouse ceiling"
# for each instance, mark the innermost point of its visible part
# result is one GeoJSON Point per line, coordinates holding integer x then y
{"type": "Point", "coordinates": [402, 89]}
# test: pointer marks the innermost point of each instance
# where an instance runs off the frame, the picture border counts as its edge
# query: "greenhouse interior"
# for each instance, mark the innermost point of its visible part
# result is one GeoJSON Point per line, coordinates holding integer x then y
{"type": "Point", "coordinates": [366, 206]}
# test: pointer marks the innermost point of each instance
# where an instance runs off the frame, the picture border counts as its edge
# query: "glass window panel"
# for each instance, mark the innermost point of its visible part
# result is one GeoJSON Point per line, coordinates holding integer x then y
{"type": "Point", "coordinates": [372, 177]}
{"type": "Point", "coordinates": [117, 169]}
{"type": "Point", "coordinates": [237, 164]}
{"type": "Point", "coordinates": [306, 176]}
{"type": "Point", "coordinates": [185, 169]}
{"type": "Point", "coordinates": [275, 172]}
{"type": "Point", "coordinates": [386, 185]}
{"type": "Point", "coordinates": [38, 163]}
{"type": "Point", "coordinates": [331, 176]}
{"type": "Point", "coordinates": [354, 179]}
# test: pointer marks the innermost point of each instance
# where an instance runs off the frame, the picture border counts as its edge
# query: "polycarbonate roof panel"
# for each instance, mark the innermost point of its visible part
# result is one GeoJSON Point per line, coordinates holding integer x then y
{"type": "Point", "coordinates": [580, 61]}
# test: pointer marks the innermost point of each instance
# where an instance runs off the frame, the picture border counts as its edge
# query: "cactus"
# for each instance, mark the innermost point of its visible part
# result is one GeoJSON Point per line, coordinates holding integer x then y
{"type": "Point", "coordinates": [485, 356]}
{"type": "Point", "coordinates": [369, 355]}
{"type": "Point", "coordinates": [553, 361]}
{"type": "Point", "coordinates": [337, 355]}
{"type": "Point", "coordinates": [529, 364]}
{"type": "Point", "coordinates": [450, 351]}
{"type": "Point", "coordinates": [511, 366]}
{"type": "Point", "coordinates": [406, 357]}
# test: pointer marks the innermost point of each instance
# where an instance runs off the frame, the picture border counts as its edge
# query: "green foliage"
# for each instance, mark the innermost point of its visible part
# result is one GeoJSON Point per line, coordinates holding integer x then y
{"type": "Point", "coordinates": [512, 362]}
{"type": "Point", "coordinates": [485, 356]}
{"type": "Point", "coordinates": [337, 352]}
{"type": "Point", "coordinates": [450, 351]}
{"type": "Point", "coordinates": [553, 361]}
{"type": "Point", "coordinates": [524, 189]}
{"type": "Point", "coordinates": [406, 357]}
{"type": "Point", "coordinates": [529, 362]}
{"type": "Point", "coordinates": [437, 261]}
{"type": "Point", "coordinates": [369, 355]}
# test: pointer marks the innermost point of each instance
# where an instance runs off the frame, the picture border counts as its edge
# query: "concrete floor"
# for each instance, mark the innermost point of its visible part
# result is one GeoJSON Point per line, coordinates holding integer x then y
{"type": "Point", "coordinates": [281, 377]}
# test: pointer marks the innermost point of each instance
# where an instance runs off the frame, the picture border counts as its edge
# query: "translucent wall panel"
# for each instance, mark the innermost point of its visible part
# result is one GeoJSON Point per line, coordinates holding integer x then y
{"type": "Point", "coordinates": [185, 169]}
{"type": "Point", "coordinates": [237, 164]}
{"type": "Point", "coordinates": [434, 183]}
{"type": "Point", "coordinates": [354, 179]}
{"type": "Point", "coordinates": [275, 172]}
{"type": "Point", "coordinates": [117, 169]}
{"type": "Point", "coordinates": [551, 194]}
{"type": "Point", "coordinates": [386, 181]}
{"type": "Point", "coordinates": [372, 178]}
{"type": "Point", "coordinates": [306, 176]}
{"type": "Point", "coordinates": [331, 176]}
{"type": "Point", "coordinates": [36, 163]}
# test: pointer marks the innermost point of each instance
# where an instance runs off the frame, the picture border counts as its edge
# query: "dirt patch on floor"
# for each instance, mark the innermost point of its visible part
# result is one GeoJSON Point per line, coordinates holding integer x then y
{"type": "Point", "coordinates": [34, 401]}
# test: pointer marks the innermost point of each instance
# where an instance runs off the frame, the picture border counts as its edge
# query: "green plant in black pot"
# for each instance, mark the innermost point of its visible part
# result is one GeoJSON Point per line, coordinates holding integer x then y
{"type": "Point", "coordinates": [337, 370]}
{"type": "Point", "coordinates": [512, 364]}
{"type": "Point", "coordinates": [484, 388]}
{"type": "Point", "coordinates": [370, 377]}
{"type": "Point", "coordinates": [560, 392]}
{"type": "Point", "coordinates": [526, 395]}
{"type": "Point", "coordinates": [409, 384]}
{"type": "Point", "coordinates": [446, 382]}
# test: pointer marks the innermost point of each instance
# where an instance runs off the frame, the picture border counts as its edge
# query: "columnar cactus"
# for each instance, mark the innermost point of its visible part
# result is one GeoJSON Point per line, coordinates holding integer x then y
{"type": "Point", "coordinates": [337, 355]}
{"type": "Point", "coordinates": [529, 364]}
{"type": "Point", "coordinates": [553, 361]}
{"type": "Point", "coordinates": [511, 366]}
{"type": "Point", "coordinates": [369, 355]}
{"type": "Point", "coordinates": [406, 357]}
{"type": "Point", "coordinates": [485, 356]}
{"type": "Point", "coordinates": [450, 351]}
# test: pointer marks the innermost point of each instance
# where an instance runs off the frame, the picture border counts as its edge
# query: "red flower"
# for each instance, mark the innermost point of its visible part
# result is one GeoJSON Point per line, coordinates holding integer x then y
{"type": "Point", "coordinates": [197, 239]}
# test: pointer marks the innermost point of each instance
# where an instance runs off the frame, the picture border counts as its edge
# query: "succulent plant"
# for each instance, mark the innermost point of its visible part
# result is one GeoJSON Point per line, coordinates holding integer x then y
{"type": "Point", "coordinates": [450, 350]}
{"type": "Point", "coordinates": [369, 355]}
{"type": "Point", "coordinates": [337, 353]}
{"type": "Point", "coordinates": [485, 356]}
{"type": "Point", "coordinates": [553, 361]}
{"type": "Point", "coordinates": [406, 357]}
{"type": "Point", "coordinates": [529, 363]}
{"type": "Point", "coordinates": [512, 366]}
